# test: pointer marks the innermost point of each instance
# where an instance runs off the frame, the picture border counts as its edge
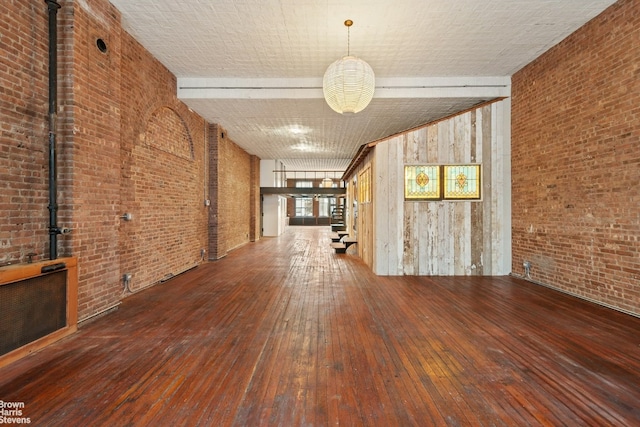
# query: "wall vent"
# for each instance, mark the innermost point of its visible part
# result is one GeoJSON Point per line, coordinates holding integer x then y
{"type": "Point", "coordinates": [38, 305]}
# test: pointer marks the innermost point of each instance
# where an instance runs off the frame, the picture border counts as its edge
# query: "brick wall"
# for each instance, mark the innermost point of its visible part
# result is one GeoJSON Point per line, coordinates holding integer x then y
{"type": "Point", "coordinates": [125, 144]}
{"type": "Point", "coordinates": [255, 223]}
{"type": "Point", "coordinates": [89, 123]}
{"type": "Point", "coordinates": [214, 135]}
{"type": "Point", "coordinates": [576, 161]}
{"type": "Point", "coordinates": [24, 193]}
{"type": "Point", "coordinates": [163, 173]}
{"type": "Point", "coordinates": [235, 190]}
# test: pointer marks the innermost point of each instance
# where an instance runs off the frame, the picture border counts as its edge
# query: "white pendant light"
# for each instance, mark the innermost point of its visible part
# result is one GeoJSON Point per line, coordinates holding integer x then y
{"type": "Point", "coordinates": [348, 83]}
{"type": "Point", "coordinates": [326, 183]}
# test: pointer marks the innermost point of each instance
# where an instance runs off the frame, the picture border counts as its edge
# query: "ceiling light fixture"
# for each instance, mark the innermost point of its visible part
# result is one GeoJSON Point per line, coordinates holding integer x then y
{"type": "Point", "coordinates": [326, 182]}
{"type": "Point", "coordinates": [348, 83]}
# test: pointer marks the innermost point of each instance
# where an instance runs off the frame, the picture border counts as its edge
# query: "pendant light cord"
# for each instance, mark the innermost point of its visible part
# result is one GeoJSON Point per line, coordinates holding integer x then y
{"type": "Point", "coordinates": [348, 23]}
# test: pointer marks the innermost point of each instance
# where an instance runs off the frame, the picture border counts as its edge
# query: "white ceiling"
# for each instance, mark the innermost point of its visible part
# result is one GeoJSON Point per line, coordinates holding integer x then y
{"type": "Point", "coordinates": [256, 66]}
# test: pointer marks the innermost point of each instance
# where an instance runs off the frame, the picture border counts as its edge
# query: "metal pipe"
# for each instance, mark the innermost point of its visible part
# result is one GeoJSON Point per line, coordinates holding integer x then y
{"type": "Point", "coordinates": [53, 98]}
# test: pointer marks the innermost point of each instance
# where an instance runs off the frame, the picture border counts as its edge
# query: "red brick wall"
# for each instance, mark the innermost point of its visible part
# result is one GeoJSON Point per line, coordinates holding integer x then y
{"type": "Point", "coordinates": [576, 161]}
{"type": "Point", "coordinates": [125, 144]}
{"type": "Point", "coordinates": [89, 149]}
{"type": "Point", "coordinates": [163, 173]}
{"type": "Point", "coordinates": [24, 196]}
{"type": "Point", "coordinates": [255, 224]}
{"type": "Point", "coordinates": [214, 135]}
{"type": "Point", "coordinates": [235, 192]}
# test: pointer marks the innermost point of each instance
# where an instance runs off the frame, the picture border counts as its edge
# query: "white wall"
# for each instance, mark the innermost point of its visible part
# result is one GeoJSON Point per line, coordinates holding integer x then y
{"type": "Point", "coordinates": [267, 176]}
{"type": "Point", "coordinates": [274, 208]}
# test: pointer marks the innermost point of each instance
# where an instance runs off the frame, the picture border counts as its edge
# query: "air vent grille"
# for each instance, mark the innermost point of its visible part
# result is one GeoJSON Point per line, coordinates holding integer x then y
{"type": "Point", "coordinates": [31, 309]}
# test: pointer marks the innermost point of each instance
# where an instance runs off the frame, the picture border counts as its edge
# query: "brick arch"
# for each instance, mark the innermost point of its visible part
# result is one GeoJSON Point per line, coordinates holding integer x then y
{"type": "Point", "coordinates": [163, 185]}
{"type": "Point", "coordinates": [166, 130]}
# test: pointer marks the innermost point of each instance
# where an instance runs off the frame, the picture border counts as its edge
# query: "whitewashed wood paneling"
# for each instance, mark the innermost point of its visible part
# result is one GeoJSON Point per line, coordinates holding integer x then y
{"type": "Point", "coordinates": [444, 237]}
{"type": "Point", "coordinates": [501, 190]}
{"type": "Point", "coordinates": [380, 212]}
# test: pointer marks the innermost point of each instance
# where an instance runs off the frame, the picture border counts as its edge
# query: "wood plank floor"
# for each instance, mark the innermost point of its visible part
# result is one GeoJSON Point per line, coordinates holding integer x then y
{"type": "Point", "coordinates": [284, 332]}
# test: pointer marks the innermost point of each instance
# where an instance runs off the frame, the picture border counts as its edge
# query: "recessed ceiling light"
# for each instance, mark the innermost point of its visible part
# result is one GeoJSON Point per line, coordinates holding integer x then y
{"type": "Point", "coordinates": [304, 147]}
{"type": "Point", "coordinates": [298, 130]}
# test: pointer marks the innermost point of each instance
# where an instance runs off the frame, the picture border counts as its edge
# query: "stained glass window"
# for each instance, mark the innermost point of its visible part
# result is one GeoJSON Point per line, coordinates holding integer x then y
{"type": "Point", "coordinates": [364, 187]}
{"type": "Point", "coordinates": [422, 182]}
{"type": "Point", "coordinates": [462, 181]}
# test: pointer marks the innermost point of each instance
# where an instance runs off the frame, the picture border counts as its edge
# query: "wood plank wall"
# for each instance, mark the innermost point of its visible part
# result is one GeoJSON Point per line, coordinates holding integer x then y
{"type": "Point", "coordinates": [360, 224]}
{"type": "Point", "coordinates": [441, 237]}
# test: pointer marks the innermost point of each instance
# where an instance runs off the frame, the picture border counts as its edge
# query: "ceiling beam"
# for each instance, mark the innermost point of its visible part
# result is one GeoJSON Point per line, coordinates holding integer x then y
{"type": "Point", "coordinates": [311, 191]}
{"type": "Point", "coordinates": [307, 88]}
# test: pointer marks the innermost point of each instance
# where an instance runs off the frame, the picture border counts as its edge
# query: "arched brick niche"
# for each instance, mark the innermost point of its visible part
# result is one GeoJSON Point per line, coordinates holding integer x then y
{"type": "Point", "coordinates": [166, 131]}
{"type": "Point", "coordinates": [164, 235]}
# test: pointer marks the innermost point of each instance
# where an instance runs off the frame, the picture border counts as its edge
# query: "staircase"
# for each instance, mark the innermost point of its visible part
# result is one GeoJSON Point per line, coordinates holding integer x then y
{"type": "Point", "coordinates": [342, 243]}
{"type": "Point", "coordinates": [340, 239]}
{"type": "Point", "coordinates": [337, 219]}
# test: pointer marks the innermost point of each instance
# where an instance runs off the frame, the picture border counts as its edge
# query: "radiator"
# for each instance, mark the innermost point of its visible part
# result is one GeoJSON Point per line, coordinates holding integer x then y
{"type": "Point", "coordinates": [38, 306]}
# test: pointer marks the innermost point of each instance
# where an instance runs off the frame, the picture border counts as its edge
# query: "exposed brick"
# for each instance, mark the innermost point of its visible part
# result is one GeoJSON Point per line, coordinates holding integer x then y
{"type": "Point", "coordinates": [235, 192]}
{"type": "Point", "coordinates": [576, 161]}
{"type": "Point", "coordinates": [125, 144]}
{"type": "Point", "coordinates": [23, 131]}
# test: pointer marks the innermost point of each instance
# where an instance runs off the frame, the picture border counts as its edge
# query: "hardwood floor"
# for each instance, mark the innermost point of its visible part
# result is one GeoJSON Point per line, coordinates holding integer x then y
{"type": "Point", "coordinates": [285, 332]}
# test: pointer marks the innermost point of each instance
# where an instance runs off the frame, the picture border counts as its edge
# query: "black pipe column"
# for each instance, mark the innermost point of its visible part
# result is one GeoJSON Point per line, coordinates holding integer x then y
{"type": "Point", "coordinates": [53, 101]}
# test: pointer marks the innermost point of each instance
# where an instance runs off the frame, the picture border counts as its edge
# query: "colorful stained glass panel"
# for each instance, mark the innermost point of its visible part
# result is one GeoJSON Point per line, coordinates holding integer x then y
{"type": "Point", "coordinates": [422, 182]}
{"type": "Point", "coordinates": [462, 181]}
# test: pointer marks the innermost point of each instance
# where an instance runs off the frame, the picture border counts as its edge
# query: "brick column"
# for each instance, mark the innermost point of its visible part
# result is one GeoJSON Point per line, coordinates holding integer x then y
{"type": "Point", "coordinates": [213, 135]}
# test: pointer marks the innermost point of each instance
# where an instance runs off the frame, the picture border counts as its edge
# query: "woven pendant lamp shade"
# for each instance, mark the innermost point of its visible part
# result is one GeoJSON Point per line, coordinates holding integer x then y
{"type": "Point", "coordinates": [348, 85]}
